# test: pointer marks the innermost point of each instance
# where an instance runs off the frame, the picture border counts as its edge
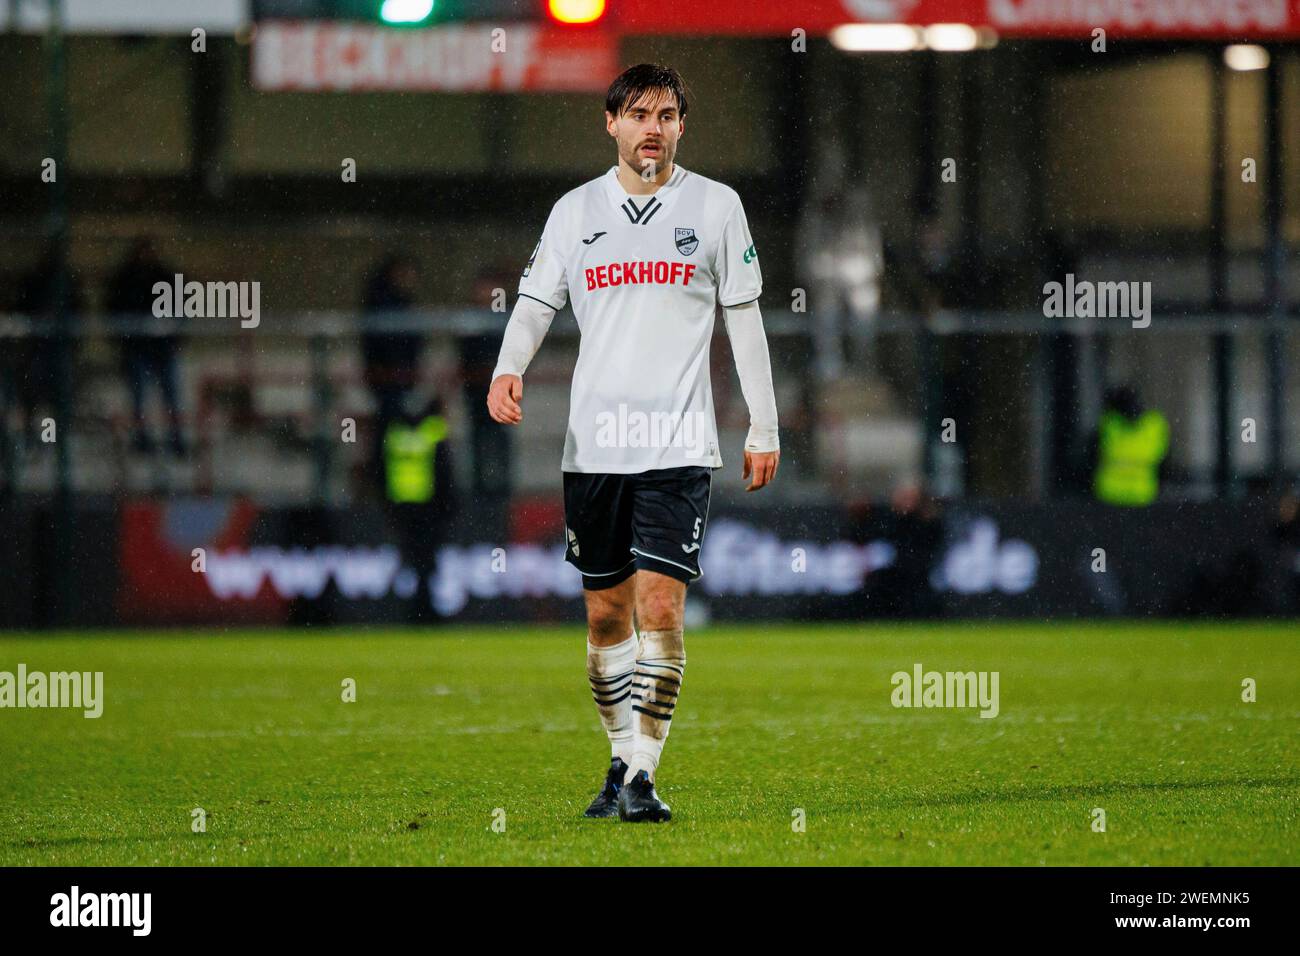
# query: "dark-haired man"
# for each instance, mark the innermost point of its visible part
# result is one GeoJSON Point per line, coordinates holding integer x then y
{"type": "Point", "coordinates": [645, 254]}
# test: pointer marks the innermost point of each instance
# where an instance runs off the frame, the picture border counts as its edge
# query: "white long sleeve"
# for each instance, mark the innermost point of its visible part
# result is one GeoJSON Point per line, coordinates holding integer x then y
{"type": "Point", "coordinates": [754, 366]}
{"type": "Point", "coordinates": [528, 325]}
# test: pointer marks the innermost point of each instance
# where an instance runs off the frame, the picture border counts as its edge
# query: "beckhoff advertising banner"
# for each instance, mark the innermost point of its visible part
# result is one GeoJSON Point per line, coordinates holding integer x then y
{"type": "Point", "coordinates": [451, 58]}
{"type": "Point", "coordinates": [1206, 19]}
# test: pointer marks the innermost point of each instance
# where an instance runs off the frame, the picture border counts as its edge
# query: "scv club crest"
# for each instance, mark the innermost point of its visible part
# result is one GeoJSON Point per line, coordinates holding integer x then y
{"type": "Point", "coordinates": [686, 240]}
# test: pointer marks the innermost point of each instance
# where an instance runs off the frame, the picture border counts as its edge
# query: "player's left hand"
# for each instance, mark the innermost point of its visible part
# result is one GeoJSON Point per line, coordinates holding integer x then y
{"type": "Point", "coordinates": [762, 465]}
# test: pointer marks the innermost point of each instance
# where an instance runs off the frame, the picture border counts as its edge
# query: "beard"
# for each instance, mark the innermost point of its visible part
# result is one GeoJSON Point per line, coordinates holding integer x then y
{"type": "Point", "coordinates": [632, 156]}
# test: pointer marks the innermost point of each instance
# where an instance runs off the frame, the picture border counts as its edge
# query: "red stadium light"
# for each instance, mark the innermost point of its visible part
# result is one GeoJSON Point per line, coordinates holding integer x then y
{"type": "Point", "coordinates": [575, 11]}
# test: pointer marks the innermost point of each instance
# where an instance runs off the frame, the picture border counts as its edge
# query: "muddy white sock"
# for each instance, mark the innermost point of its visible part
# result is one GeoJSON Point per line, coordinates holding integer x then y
{"type": "Point", "coordinates": [609, 670]}
{"type": "Point", "coordinates": [660, 665]}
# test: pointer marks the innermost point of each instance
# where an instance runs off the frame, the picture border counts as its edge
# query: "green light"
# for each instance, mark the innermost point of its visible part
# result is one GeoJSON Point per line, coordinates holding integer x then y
{"type": "Point", "coordinates": [405, 11]}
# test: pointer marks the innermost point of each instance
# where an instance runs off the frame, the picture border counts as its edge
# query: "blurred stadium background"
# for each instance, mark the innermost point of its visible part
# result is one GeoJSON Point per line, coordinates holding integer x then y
{"type": "Point", "coordinates": [911, 190]}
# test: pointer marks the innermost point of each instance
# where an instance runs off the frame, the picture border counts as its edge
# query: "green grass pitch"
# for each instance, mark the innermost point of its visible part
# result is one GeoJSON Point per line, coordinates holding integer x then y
{"type": "Point", "coordinates": [455, 729]}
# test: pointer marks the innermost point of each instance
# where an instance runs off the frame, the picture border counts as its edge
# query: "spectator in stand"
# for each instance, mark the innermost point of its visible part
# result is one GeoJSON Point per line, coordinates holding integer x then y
{"type": "Point", "coordinates": [843, 262]}
{"type": "Point", "coordinates": [148, 346]}
{"type": "Point", "coordinates": [490, 444]}
{"type": "Point", "coordinates": [391, 352]}
{"type": "Point", "coordinates": [30, 364]}
{"type": "Point", "coordinates": [418, 486]}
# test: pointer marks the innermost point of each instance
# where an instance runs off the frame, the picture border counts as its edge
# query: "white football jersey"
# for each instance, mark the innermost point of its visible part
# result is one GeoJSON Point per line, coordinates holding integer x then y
{"type": "Point", "coordinates": [645, 275]}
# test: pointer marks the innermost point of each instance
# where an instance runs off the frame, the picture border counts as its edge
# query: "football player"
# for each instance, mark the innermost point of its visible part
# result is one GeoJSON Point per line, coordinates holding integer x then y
{"type": "Point", "coordinates": [645, 254]}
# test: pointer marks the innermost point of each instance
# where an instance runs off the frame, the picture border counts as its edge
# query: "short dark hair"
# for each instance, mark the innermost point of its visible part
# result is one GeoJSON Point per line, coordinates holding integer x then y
{"type": "Point", "coordinates": [636, 81]}
{"type": "Point", "coordinates": [1124, 399]}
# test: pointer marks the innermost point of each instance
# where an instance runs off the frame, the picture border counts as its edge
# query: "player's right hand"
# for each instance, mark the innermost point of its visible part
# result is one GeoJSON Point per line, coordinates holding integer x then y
{"type": "Point", "coordinates": [503, 399]}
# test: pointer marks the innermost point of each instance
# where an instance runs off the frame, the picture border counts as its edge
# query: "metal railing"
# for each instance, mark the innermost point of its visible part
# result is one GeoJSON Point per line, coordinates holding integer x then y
{"type": "Point", "coordinates": [1104, 349]}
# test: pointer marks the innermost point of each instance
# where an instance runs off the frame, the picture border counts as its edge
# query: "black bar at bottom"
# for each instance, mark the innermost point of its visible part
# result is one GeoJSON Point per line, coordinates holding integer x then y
{"type": "Point", "coordinates": [303, 905]}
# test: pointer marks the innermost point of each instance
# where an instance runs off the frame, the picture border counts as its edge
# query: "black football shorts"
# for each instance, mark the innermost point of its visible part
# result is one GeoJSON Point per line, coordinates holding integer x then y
{"type": "Point", "coordinates": [615, 525]}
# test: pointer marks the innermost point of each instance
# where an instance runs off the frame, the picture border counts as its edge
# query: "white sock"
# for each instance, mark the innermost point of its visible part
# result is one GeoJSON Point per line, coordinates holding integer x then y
{"type": "Point", "coordinates": [660, 666]}
{"type": "Point", "coordinates": [609, 670]}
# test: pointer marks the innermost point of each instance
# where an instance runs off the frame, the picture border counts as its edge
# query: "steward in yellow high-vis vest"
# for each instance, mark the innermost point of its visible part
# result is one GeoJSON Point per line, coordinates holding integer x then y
{"type": "Point", "coordinates": [1130, 449]}
{"type": "Point", "coordinates": [410, 455]}
{"type": "Point", "coordinates": [418, 486]}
